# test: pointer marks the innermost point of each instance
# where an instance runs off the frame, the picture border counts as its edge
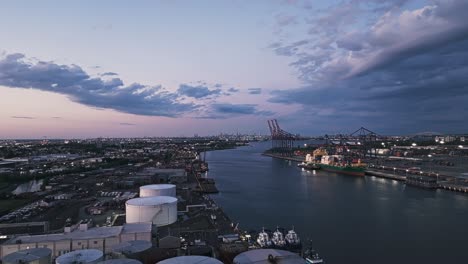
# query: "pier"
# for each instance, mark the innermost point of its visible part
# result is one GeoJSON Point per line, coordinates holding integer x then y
{"type": "Point", "coordinates": [385, 175]}
{"type": "Point", "coordinates": [446, 185]}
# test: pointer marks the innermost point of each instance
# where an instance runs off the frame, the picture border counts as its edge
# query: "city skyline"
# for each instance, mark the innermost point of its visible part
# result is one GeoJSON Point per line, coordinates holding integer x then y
{"type": "Point", "coordinates": [115, 69]}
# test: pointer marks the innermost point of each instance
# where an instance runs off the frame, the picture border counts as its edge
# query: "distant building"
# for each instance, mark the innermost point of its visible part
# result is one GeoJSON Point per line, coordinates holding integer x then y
{"type": "Point", "coordinates": [101, 238]}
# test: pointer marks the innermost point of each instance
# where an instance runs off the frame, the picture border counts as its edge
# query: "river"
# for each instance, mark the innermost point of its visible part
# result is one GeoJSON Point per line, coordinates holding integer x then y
{"type": "Point", "coordinates": [350, 219]}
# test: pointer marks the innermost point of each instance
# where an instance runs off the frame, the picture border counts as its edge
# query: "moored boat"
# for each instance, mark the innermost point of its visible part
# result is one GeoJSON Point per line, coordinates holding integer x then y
{"type": "Point", "coordinates": [263, 239]}
{"type": "Point", "coordinates": [278, 239]}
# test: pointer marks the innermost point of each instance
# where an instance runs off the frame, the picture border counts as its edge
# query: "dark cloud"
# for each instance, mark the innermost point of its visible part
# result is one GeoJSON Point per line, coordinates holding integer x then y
{"type": "Point", "coordinates": [233, 90]}
{"type": "Point", "coordinates": [23, 117]}
{"type": "Point", "coordinates": [127, 124]}
{"type": "Point", "coordinates": [406, 73]}
{"type": "Point", "coordinates": [17, 71]}
{"type": "Point", "coordinates": [226, 110]}
{"type": "Point", "coordinates": [56, 117]}
{"type": "Point", "coordinates": [197, 91]}
{"type": "Point", "coordinates": [255, 90]}
{"type": "Point", "coordinates": [109, 74]}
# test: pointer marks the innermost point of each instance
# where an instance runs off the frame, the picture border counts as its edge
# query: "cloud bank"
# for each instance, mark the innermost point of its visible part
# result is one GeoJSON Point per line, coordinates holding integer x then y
{"type": "Point", "coordinates": [109, 92]}
{"type": "Point", "coordinates": [401, 70]}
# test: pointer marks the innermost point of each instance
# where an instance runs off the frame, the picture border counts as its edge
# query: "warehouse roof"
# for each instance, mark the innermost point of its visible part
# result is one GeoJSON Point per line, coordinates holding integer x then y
{"type": "Point", "coordinates": [96, 232]}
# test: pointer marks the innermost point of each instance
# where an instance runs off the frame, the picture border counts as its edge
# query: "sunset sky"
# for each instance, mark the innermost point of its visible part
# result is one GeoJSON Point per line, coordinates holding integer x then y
{"type": "Point", "coordinates": [175, 68]}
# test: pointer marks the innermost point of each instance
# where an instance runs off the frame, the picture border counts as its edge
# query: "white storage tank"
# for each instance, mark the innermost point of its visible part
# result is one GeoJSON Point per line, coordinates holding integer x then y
{"type": "Point", "coordinates": [158, 190]}
{"type": "Point", "coordinates": [120, 261]}
{"type": "Point", "coordinates": [29, 256]}
{"type": "Point", "coordinates": [268, 256]}
{"type": "Point", "coordinates": [190, 260]}
{"type": "Point", "coordinates": [85, 256]}
{"type": "Point", "coordinates": [160, 210]}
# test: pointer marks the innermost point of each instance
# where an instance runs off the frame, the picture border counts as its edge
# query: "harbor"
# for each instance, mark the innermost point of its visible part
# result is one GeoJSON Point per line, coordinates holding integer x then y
{"type": "Point", "coordinates": [372, 212]}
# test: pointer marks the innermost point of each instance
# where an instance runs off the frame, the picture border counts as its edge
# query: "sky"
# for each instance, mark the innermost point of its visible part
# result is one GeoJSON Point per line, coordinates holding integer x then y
{"type": "Point", "coordinates": [178, 68]}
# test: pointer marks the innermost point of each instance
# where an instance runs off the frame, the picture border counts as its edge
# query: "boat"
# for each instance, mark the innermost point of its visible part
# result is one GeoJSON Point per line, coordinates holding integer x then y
{"type": "Point", "coordinates": [335, 163]}
{"type": "Point", "coordinates": [311, 256]}
{"type": "Point", "coordinates": [278, 239]}
{"type": "Point", "coordinates": [263, 239]}
{"type": "Point", "coordinates": [309, 165]}
{"type": "Point", "coordinates": [292, 240]}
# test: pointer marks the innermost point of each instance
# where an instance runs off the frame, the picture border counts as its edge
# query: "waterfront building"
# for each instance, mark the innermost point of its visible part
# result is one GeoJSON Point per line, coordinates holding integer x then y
{"type": "Point", "coordinates": [101, 238]}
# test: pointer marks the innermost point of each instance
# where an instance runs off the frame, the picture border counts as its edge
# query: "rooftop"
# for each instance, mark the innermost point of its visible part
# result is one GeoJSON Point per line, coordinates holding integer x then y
{"type": "Point", "coordinates": [96, 232]}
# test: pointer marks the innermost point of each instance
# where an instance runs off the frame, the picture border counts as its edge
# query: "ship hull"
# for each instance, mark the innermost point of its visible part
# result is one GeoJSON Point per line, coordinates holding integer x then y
{"type": "Point", "coordinates": [354, 171]}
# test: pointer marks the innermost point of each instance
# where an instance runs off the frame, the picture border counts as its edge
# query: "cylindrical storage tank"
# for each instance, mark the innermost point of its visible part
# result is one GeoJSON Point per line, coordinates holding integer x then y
{"type": "Point", "coordinates": [158, 190]}
{"type": "Point", "coordinates": [29, 256]}
{"type": "Point", "coordinates": [120, 261]}
{"type": "Point", "coordinates": [268, 256]}
{"type": "Point", "coordinates": [160, 210]}
{"type": "Point", "coordinates": [190, 260]}
{"type": "Point", "coordinates": [136, 249]}
{"type": "Point", "coordinates": [85, 256]}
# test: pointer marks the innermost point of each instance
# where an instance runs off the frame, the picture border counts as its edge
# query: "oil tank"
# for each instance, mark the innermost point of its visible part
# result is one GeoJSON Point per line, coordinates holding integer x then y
{"type": "Point", "coordinates": [85, 256]}
{"type": "Point", "coordinates": [160, 210]}
{"type": "Point", "coordinates": [268, 256]}
{"type": "Point", "coordinates": [29, 256]}
{"type": "Point", "coordinates": [136, 249]}
{"type": "Point", "coordinates": [158, 190]}
{"type": "Point", "coordinates": [120, 261]}
{"type": "Point", "coordinates": [190, 260]}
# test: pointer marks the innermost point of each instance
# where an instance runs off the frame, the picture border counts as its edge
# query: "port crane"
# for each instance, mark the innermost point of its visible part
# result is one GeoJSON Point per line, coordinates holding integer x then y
{"type": "Point", "coordinates": [281, 139]}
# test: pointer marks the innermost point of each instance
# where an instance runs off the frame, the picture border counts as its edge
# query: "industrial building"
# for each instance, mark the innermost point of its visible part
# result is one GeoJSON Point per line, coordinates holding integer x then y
{"type": "Point", "coordinates": [101, 238]}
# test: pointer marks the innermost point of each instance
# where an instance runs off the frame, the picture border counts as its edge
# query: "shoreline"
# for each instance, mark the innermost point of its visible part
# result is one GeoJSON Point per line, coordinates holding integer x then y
{"type": "Point", "coordinates": [371, 173]}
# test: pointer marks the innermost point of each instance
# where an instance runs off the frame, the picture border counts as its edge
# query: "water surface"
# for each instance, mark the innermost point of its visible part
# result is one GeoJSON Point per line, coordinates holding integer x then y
{"type": "Point", "coordinates": [350, 219]}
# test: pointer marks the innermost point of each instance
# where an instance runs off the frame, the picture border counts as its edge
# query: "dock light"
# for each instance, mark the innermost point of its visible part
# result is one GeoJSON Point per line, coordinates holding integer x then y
{"type": "Point", "coordinates": [430, 156]}
{"type": "Point", "coordinates": [414, 144]}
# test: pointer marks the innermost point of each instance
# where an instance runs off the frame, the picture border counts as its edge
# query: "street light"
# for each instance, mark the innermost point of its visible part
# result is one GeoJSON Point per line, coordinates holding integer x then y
{"type": "Point", "coordinates": [394, 169]}
{"type": "Point", "coordinates": [407, 173]}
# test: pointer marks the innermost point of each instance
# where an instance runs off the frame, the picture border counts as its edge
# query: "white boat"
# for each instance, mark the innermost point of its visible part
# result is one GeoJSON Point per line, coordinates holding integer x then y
{"type": "Point", "coordinates": [278, 239]}
{"type": "Point", "coordinates": [263, 239]}
{"type": "Point", "coordinates": [292, 239]}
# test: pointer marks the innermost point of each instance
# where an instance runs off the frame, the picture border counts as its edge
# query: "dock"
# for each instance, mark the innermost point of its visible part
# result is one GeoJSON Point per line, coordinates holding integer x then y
{"type": "Point", "coordinates": [385, 175]}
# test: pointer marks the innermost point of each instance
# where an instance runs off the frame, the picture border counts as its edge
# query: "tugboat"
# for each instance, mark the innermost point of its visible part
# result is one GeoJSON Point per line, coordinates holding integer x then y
{"type": "Point", "coordinates": [263, 239]}
{"type": "Point", "coordinates": [278, 239]}
{"type": "Point", "coordinates": [311, 256]}
{"type": "Point", "coordinates": [292, 239]}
